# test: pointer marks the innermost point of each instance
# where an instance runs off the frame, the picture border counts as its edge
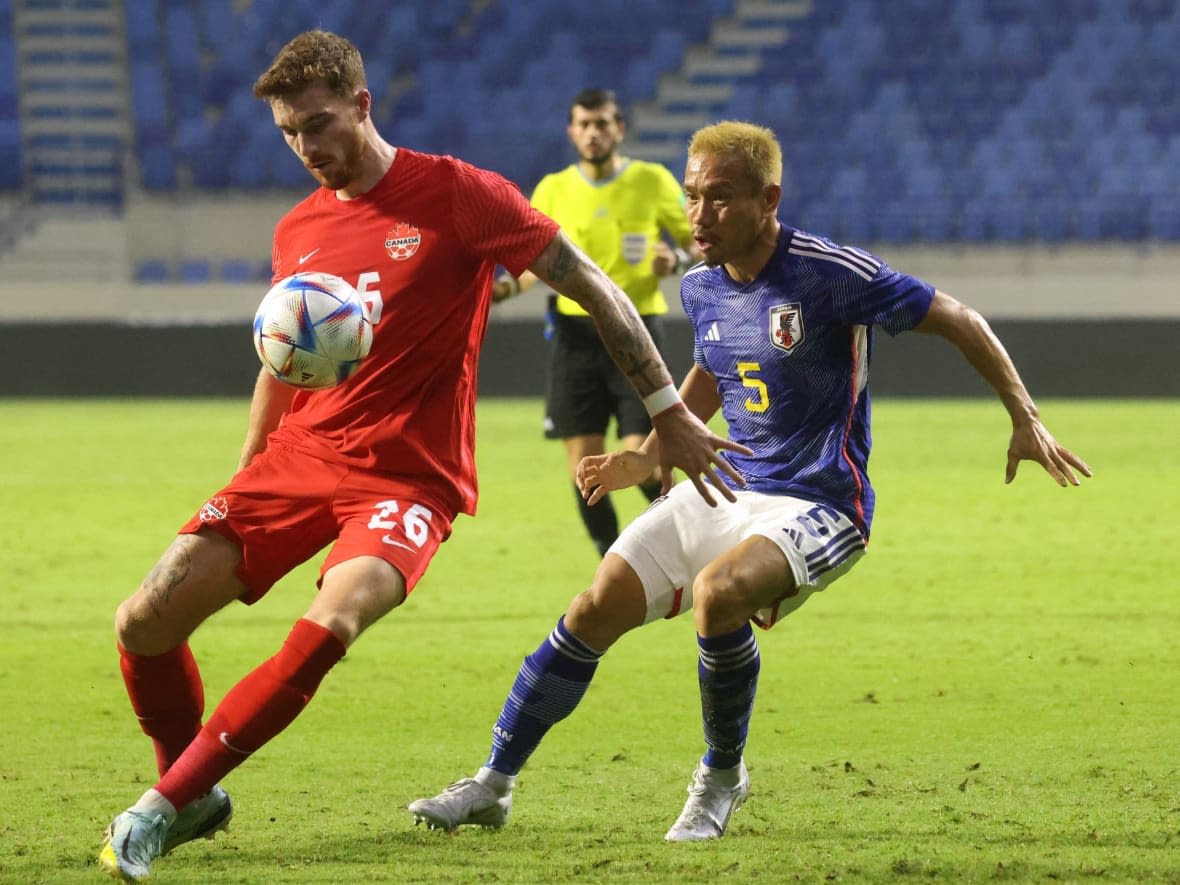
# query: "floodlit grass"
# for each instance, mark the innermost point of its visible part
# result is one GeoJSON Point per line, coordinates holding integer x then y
{"type": "Point", "coordinates": [990, 695]}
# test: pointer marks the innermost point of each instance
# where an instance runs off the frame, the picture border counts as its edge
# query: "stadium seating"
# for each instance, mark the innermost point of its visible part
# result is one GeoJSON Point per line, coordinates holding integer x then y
{"type": "Point", "coordinates": [10, 152]}
{"type": "Point", "coordinates": [959, 120]}
{"type": "Point", "coordinates": [1000, 121]}
{"type": "Point", "coordinates": [1030, 121]}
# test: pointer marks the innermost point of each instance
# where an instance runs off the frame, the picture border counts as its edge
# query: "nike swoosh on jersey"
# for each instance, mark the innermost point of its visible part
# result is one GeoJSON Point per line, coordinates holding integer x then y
{"type": "Point", "coordinates": [303, 258]}
{"type": "Point", "coordinates": [385, 539]}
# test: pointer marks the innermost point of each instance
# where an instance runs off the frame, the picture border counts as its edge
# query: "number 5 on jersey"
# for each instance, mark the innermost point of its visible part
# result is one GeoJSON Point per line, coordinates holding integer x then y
{"type": "Point", "coordinates": [760, 401]}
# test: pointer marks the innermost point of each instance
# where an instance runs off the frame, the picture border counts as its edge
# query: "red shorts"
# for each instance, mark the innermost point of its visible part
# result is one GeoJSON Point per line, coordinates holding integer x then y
{"type": "Point", "coordinates": [287, 506]}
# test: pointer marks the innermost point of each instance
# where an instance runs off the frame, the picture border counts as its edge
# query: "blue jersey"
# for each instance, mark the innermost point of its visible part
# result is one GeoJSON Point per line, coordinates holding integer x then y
{"type": "Point", "coordinates": [790, 351]}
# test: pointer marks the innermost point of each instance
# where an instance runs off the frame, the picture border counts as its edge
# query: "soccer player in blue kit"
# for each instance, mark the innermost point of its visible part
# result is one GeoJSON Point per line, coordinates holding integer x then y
{"type": "Point", "coordinates": [783, 326]}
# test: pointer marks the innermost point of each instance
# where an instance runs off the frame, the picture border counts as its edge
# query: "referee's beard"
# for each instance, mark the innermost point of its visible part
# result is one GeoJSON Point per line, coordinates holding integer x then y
{"type": "Point", "coordinates": [601, 160]}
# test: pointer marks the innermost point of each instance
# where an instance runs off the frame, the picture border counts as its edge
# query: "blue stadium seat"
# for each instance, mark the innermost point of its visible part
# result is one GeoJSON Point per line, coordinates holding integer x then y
{"type": "Point", "coordinates": [143, 30]}
{"type": "Point", "coordinates": [937, 221]}
{"type": "Point", "coordinates": [1051, 221]}
{"type": "Point", "coordinates": [153, 270]}
{"type": "Point", "coordinates": [857, 224]}
{"type": "Point", "coordinates": [157, 167]}
{"type": "Point", "coordinates": [822, 219]}
{"type": "Point", "coordinates": [10, 139]}
{"type": "Point", "coordinates": [745, 102]}
{"type": "Point", "coordinates": [667, 48]}
{"type": "Point", "coordinates": [285, 170]}
{"type": "Point", "coordinates": [895, 221]}
{"type": "Point", "coordinates": [251, 164]}
{"type": "Point", "coordinates": [195, 271]}
{"type": "Point", "coordinates": [1112, 218]}
{"type": "Point", "coordinates": [240, 270]}
{"type": "Point", "coordinates": [988, 219]}
{"type": "Point", "coordinates": [850, 183]}
{"type": "Point", "coordinates": [1163, 218]}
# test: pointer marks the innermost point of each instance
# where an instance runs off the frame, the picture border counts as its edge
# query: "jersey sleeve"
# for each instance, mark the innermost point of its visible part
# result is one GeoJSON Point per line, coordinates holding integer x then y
{"type": "Point", "coordinates": [892, 301]}
{"type": "Point", "coordinates": [494, 220]}
{"type": "Point", "coordinates": [670, 206]}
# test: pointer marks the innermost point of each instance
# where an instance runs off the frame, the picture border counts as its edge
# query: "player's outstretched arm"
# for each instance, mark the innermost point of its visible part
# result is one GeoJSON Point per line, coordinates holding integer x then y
{"type": "Point", "coordinates": [1031, 440]}
{"type": "Point", "coordinates": [685, 442]}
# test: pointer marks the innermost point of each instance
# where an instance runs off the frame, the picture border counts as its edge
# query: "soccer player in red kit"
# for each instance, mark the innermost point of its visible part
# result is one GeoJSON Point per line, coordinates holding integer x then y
{"type": "Point", "coordinates": [378, 467]}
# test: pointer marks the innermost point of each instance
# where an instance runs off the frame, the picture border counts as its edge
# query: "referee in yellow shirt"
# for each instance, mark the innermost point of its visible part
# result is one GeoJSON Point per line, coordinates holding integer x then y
{"type": "Point", "coordinates": [622, 213]}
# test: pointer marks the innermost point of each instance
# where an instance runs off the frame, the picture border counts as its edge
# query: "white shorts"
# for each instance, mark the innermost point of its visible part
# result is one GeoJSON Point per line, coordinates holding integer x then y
{"type": "Point", "coordinates": [680, 534]}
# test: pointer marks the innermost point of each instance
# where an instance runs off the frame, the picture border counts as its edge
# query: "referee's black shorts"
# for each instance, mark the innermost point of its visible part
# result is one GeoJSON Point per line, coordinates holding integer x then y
{"type": "Point", "coordinates": [584, 388]}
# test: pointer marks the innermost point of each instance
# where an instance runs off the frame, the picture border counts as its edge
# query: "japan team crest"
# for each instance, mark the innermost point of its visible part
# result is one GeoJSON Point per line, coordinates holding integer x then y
{"type": "Point", "coordinates": [786, 325]}
{"type": "Point", "coordinates": [402, 241]}
{"type": "Point", "coordinates": [214, 509]}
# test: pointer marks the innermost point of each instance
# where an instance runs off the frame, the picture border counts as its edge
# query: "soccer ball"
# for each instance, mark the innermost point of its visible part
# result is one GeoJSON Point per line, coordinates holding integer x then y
{"type": "Point", "coordinates": [312, 330]}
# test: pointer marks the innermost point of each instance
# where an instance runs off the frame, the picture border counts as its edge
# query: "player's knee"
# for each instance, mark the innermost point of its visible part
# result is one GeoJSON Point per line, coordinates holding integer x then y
{"type": "Point", "coordinates": [126, 620]}
{"type": "Point", "coordinates": [140, 628]}
{"type": "Point", "coordinates": [600, 615]}
{"type": "Point", "coordinates": [344, 625]}
{"type": "Point", "coordinates": [349, 617]}
{"type": "Point", "coordinates": [721, 599]}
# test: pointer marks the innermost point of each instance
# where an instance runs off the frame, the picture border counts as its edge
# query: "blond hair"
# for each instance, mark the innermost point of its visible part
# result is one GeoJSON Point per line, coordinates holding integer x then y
{"type": "Point", "coordinates": [313, 57]}
{"type": "Point", "coordinates": [756, 146]}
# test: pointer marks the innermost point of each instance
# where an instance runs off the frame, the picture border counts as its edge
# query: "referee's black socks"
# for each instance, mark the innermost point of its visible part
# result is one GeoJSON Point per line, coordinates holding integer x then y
{"type": "Point", "coordinates": [601, 521]}
{"type": "Point", "coordinates": [651, 488]}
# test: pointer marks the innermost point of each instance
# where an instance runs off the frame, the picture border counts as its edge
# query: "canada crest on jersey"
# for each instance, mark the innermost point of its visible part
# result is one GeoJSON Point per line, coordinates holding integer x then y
{"type": "Point", "coordinates": [402, 241]}
{"type": "Point", "coordinates": [786, 325]}
{"type": "Point", "coordinates": [214, 509]}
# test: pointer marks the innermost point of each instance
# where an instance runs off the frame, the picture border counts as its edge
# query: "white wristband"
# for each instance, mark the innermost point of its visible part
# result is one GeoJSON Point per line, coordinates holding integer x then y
{"type": "Point", "coordinates": [663, 399]}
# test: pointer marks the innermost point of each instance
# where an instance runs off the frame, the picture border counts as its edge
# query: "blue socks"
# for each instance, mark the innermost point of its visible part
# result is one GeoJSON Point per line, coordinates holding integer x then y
{"type": "Point", "coordinates": [728, 672]}
{"type": "Point", "coordinates": [554, 678]}
{"type": "Point", "coordinates": [551, 682]}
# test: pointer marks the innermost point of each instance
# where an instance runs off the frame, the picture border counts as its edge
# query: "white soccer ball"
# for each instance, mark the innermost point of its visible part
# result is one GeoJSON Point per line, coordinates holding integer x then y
{"type": "Point", "coordinates": [312, 330]}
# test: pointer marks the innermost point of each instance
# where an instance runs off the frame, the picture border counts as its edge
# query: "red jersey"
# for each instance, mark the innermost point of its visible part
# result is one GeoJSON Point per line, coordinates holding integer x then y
{"type": "Point", "coordinates": [421, 248]}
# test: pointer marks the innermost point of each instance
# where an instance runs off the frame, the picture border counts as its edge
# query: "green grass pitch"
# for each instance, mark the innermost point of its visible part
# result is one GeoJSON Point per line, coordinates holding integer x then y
{"type": "Point", "coordinates": [991, 695]}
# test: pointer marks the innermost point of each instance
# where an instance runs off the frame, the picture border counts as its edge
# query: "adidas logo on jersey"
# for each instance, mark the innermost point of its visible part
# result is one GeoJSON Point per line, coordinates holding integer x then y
{"type": "Point", "coordinates": [713, 333]}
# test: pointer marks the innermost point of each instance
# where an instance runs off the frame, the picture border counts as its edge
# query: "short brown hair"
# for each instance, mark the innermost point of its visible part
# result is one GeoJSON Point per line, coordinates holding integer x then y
{"type": "Point", "coordinates": [313, 57]}
{"type": "Point", "coordinates": [756, 146]}
{"type": "Point", "coordinates": [595, 99]}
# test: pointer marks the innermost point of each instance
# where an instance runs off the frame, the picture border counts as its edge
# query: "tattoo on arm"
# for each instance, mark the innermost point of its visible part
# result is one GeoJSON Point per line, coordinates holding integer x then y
{"type": "Point", "coordinates": [573, 274]}
{"type": "Point", "coordinates": [639, 367]}
{"type": "Point", "coordinates": [563, 262]}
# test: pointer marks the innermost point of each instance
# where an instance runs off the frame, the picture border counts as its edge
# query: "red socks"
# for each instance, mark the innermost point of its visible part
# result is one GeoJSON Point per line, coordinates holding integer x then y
{"type": "Point", "coordinates": [265, 702]}
{"type": "Point", "coordinates": [167, 697]}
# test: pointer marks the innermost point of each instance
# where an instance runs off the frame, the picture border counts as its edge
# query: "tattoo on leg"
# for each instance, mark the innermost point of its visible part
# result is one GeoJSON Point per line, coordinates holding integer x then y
{"type": "Point", "coordinates": [167, 574]}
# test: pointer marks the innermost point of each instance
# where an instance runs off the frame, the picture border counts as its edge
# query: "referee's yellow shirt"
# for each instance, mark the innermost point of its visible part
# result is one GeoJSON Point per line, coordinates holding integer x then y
{"type": "Point", "coordinates": [617, 223]}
